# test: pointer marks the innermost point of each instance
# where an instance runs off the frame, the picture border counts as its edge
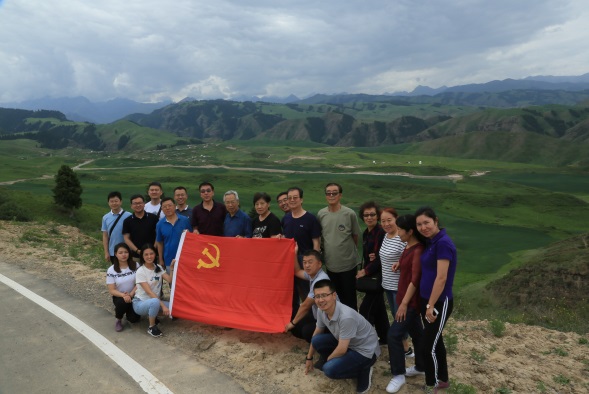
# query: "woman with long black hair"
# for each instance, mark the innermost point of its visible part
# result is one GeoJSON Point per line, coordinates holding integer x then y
{"type": "Point", "coordinates": [438, 267]}
{"type": "Point", "coordinates": [407, 319]}
{"type": "Point", "coordinates": [149, 285]}
{"type": "Point", "coordinates": [120, 281]}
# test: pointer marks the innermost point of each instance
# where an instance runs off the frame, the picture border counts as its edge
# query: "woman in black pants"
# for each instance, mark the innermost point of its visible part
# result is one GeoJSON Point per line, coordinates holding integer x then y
{"type": "Point", "coordinates": [120, 281]}
{"type": "Point", "coordinates": [438, 267]}
{"type": "Point", "coordinates": [373, 307]}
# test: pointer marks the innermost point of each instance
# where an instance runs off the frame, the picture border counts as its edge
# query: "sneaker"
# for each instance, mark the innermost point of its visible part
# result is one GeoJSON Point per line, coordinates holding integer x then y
{"type": "Point", "coordinates": [118, 326]}
{"type": "Point", "coordinates": [409, 353]}
{"type": "Point", "coordinates": [434, 389]}
{"type": "Point", "coordinates": [364, 381]}
{"type": "Point", "coordinates": [412, 371]}
{"type": "Point", "coordinates": [443, 385]}
{"type": "Point", "coordinates": [396, 383]}
{"type": "Point", "coordinates": [154, 331]}
{"type": "Point", "coordinates": [319, 363]}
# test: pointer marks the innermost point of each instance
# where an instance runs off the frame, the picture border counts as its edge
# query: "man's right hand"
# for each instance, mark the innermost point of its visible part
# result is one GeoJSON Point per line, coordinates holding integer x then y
{"type": "Point", "coordinates": [308, 366]}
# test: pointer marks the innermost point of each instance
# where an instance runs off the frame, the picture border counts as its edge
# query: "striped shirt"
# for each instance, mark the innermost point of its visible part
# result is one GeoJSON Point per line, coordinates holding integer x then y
{"type": "Point", "coordinates": [390, 252]}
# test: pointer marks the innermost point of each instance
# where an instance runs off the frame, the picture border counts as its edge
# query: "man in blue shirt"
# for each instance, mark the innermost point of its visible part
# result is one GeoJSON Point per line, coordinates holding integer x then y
{"type": "Point", "coordinates": [169, 231]}
{"type": "Point", "coordinates": [112, 225]}
{"type": "Point", "coordinates": [237, 223]}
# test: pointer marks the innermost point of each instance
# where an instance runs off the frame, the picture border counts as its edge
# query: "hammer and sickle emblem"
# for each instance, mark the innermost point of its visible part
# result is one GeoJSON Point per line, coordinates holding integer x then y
{"type": "Point", "coordinates": [214, 261]}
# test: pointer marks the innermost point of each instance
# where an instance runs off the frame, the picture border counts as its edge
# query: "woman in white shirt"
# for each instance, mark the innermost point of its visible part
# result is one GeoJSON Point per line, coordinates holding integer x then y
{"type": "Point", "coordinates": [120, 281]}
{"type": "Point", "coordinates": [149, 285]}
{"type": "Point", "coordinates": [390, 252]}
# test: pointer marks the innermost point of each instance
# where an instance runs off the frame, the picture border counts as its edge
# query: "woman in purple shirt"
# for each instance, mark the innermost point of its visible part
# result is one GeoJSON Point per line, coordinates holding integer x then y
{"type": "Point", "coordinates": [438, 266]}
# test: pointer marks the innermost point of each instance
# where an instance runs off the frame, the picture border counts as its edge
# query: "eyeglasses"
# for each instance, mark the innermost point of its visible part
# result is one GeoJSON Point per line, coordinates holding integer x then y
{"type": "Point", "coordinates": [293, 198]}
{"type": "Point", "coordinates": [331, 194]}
{"type": "Point", "coordinates": [230, 202]}
{"type": "Point", "coordinates": [283, 201]}
{"type": "Point", "coordinates": [206, 190]}
{"type": "Point", "coordinates": [324, 295]}
{"type": "Point", "coordinates": [137, 203]}
{"type": "Point", "coordinates": [369, 215]}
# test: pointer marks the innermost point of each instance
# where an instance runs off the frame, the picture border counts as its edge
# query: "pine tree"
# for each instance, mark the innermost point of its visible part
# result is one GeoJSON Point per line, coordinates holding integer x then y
{"type": "Point", "coordinates": [68, 191]}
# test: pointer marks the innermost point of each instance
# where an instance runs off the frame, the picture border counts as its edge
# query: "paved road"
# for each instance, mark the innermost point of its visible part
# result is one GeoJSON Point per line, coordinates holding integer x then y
{"type": "Point", "coordinates": [40, 353]}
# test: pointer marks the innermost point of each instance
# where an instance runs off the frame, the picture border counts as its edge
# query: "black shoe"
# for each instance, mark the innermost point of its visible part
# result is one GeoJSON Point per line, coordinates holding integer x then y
{"type": "Point", "coordinates": [364, 381]}
{"type": "Point", "coordinates": [154, 331]}
{"type": "Point", "coordinates": [319, 363]}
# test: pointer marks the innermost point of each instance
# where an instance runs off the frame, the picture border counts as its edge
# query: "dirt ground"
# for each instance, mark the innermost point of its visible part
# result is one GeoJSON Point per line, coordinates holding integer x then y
{"type": "Point", "coordinates": [526, 359]}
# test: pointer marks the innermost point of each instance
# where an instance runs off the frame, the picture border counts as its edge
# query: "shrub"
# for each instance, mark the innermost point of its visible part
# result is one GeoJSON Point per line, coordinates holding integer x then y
{"type": "Point", "coordinates": [11, 211]}
{"type": "Point", "coordinates": [497, 327]}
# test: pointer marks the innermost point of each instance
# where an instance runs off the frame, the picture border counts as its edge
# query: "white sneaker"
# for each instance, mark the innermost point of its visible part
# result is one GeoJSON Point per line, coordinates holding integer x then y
{"type": "Point", "coordinates": [396, 383]}
{"type": "Point", "coordinates": [412, 371]}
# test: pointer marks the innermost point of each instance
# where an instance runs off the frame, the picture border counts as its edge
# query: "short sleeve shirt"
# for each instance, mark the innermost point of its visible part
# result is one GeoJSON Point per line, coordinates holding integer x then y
{"type": "Point", "coordinates": [266, 228]}
{"type": "Point", "coordinates": [302, 229]}
{"type": "Point", "coordinates": [116, 236]}
{"type": "Point", "coordinates": [346, 323]}
{"type": "Point", "coordinates": [124, 281]}
{"type": "Point", "coordinates": [153, 280]}
{"type": "Point", "coordinates": [440, 247]}
{"type": "Point", "coordinates": [209, 222]}
{"type": "Point", "coordinates": [238, 224]}
{"type": "Point", "coordinates": [320, 276]}
{"type": "Point", "coordinates": [338, 230]}
{"type": "Point", "coordinates": [170, 234]}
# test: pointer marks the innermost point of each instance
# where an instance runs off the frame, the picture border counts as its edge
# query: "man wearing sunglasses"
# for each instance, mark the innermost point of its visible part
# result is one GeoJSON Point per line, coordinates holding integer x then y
{"type": "Point", "coordinates": [340, 231]}
{"type": "Point", "coordinates": [209, 215]}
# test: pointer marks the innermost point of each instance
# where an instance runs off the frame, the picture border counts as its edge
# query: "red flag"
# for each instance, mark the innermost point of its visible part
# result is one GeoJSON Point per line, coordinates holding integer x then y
{"type": "Point", "coordinates": [244, 283]}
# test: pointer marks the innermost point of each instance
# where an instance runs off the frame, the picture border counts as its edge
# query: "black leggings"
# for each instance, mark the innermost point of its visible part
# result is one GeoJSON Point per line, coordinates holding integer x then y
{"type": "Point", "coordinates": [122, 308]}
{"type": "Point", "coordinates": [374, 310]}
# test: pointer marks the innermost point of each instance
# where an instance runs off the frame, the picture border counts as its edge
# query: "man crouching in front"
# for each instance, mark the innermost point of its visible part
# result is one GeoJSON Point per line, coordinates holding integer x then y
{"type": "Point", "coordinates": [350, 348]}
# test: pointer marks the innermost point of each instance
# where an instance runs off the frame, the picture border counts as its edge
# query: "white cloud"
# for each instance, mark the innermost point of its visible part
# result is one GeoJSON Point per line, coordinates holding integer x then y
{"type": "Point", "coordinates": [148, 49]}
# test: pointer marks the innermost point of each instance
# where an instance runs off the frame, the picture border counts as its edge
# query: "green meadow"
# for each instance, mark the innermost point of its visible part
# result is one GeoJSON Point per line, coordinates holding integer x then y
{"type": "Point", "coordinates": [494, 213]}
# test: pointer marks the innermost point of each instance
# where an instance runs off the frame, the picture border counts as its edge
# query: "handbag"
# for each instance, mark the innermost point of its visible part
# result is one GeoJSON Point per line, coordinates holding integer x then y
{"type": "Point", "coordinates": [369, 283]}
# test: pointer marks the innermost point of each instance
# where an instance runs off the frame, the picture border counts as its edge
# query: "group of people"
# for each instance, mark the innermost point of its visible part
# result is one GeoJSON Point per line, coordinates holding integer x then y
{"type": "Point", "coordinates": [410, 257]}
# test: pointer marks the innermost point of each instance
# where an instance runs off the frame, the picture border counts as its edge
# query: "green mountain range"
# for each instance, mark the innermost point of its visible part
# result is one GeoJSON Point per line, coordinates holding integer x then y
{"type": "Point", "coordinates": [549, 134]}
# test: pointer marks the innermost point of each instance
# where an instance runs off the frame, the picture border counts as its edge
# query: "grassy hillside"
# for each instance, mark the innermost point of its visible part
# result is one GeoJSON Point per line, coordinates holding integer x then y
{"type": "Point", "coordinates": [546, 286]}
{"type": "Point", "coordinates": [522, 147]}
{"type": "Point", "coordinates": [129, 136]}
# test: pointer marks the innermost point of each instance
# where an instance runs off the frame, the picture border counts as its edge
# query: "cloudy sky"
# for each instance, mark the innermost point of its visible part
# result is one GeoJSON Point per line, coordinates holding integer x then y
{"type": "Point", "coordinates": [149, 50]}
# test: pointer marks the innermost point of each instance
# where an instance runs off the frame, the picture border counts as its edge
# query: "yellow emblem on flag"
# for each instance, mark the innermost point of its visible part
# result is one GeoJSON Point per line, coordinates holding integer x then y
{"type": "Point", "coordinates": [214, 261]}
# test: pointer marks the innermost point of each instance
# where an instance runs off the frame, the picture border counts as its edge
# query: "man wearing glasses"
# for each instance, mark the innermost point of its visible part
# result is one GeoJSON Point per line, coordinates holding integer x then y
{"type": "Point", "coordinates": [304, 323]}
{"type": "Point", "coordinates": [208, 216]}
{"type": "Point", "coordinates": [305, 229]}
{"type": "Point", "coordinates": [237, 223]}
{"type": "Point", "coordinates": [350, 348]}
{"type": "Point", "coordinates": [340, 231]}
{"type": "Point", "coordinates": [139, 228]}
{"type": "Point", "coordinates": [282, 200]}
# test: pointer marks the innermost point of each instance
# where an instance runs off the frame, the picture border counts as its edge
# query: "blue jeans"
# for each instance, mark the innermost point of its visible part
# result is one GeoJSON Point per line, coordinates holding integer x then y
{"type": "Point", "coordinates": [398, 331]}
{"type": "Point", "coordinates": [392, 299]}
{"type": "Point", "coordinates": [150, 307]}
{"type": "Point", "coordinates": [348, 366]}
